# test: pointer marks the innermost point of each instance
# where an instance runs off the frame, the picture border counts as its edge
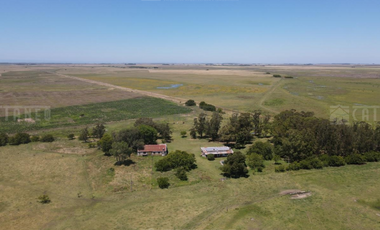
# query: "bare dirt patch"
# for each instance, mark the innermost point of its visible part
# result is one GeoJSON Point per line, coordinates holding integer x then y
{"type": "Point", "coordinates": [296, 194]}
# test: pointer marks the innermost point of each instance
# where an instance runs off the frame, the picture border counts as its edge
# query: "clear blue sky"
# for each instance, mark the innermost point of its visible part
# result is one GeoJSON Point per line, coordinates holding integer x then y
{"type": "Point", "coordinates": [191, 31]}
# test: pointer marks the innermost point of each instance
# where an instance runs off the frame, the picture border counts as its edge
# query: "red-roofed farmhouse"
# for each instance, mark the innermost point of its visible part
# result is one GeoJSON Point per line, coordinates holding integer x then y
{"type": "Point", "coordinates": [161, 149]}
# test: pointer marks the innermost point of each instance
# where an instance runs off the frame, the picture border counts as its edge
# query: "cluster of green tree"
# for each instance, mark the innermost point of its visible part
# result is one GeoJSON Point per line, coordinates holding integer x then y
{"type": "Point", "coordinates": [123, 143]}
{"type": "Point", "coordinates": [204, 126]}
{"type": "Point", "coordinates": [207, 107]}
{"type": "Point", "coordinates": [310, 142]}
{"type": "Point", "coordinates": [240, 128]}
{"type": "Point", "coordinates": [23, 138]}
{"type": "Point", "coordinates": [235, 166]}
{"type": "Point", "coordinates": [332, 161]}
{"type": "Point", "coordinates": [179, 160]}
{"type": "Point", "coordinates": [190, 103]}
{"type": "Point", "coordinates": [163, 129]}
{"type": "Point", "coordinates": [96, 132]}
{"type": "Point", "coordinates": [277, 75]}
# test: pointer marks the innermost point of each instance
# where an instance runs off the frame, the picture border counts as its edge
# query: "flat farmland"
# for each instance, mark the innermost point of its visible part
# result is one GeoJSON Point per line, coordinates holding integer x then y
{"type": "Point", "coordinates": [246, 88]}
{"type": "Point", "coordinates": [39, 88]}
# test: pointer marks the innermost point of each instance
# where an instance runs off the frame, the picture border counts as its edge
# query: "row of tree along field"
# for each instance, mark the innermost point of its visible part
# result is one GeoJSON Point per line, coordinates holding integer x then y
{"type": "Point", "coordinates": [299, 138]}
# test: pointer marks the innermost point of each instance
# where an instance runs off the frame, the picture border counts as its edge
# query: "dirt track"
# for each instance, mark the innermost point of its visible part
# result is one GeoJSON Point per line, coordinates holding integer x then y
{"type": "Point", "coordinates": [174, 99]}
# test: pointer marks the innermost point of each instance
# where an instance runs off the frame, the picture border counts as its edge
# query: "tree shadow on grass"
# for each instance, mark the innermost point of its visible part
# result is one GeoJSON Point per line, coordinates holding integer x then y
{"type": "Point", "coordinates": [127, 162]}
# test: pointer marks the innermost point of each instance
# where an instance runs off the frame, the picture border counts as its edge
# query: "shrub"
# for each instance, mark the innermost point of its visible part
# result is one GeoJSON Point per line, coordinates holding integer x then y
{"type": "Point", "coordinates": [190, 103]}
{"type": "Point", "coordinates": [255, 161]}
{"type": "Point", "coordinates": [106, 143]}
{"type": "Point", "coordinates": [44, 199]}
{"type": "Point", "coordinates": [316, 163]}
{"type": "Point", "coordinates": [260, 169]}
{"type": "Point", "coordinates": [336, 161]}
{"type": "Point", "coordinates": [163, 182]}
{"type": "Point", "coordinates": [294, 166]}
{"type": "Point", "coordinates": [235, 166]}
{"type": "Point", "coordinates": [19, 138]}
{"type": "Point", "coordinates": [277, 159]}
{"type": "Point", "coordinates": [280, 168]}
{"type": "Point", "coordinates": [71, 136]}
{"type": "Point", "coordinates": [181, 174]}
{"type": "Point", "coordinates": [263, 148]}
{"type": "Point", "coordinates": [207, 107]}
{"type": "Point", "coordinates": [355, 159]}
{"type": "Point", "coordinates": [183, 134]}
{"type": "Point", "coordinates": [372, 156]}
{"type": "Point", "coordinates": [47, 138]}
{"type": "Point", "coordinates": [277, 75]}
{"type": "Point", "coordinates": [91, 145]}
{"type": "Point", "coordinates": [175, 160]}
{"type": "Point", "coordinates": [305, 164]}
{"type": "Point", "coordinates": [35, 138]}
{"type": "Point", "coordinates": [3, 139]}
{"type": "Point", "coordinates": [210, 157]}
{"type": "Point", "coordinates": [163, 165]}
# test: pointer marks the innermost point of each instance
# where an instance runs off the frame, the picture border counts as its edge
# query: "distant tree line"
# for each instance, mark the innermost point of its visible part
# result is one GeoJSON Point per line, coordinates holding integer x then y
{"type": "Point", "coordinates": [23, 138]}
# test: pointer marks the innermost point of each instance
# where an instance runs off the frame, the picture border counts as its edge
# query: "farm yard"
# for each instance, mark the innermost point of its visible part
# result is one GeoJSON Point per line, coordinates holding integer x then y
{"type": "Point", "coordinates": [88, 191]}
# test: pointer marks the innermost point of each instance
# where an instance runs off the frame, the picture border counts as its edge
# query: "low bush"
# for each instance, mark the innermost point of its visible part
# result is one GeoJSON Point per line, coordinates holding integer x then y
{"type": "Point", "coordinates": [355, 159]}
{"type": "Point", "coordinates": [305, 164]}
{"type": "Point", "coordinates": [181, 174]}
{"type": "Point", "coordinates": [44, 199]}
{"type": "Point", "coordinates": [336, 161]}
{"type": "Point", "coordinates": [47, 138]}
{"type": "Point", "coordinates": [71, 136]}
{"type": "Point", "coordinates": [19, 138]}
{"type": "Point", "coordinates": [3, 139]}
{"type": "Point", "coordinates": [280, 168]}
{"type": "Point", "coordinates": [175, 160]}
{"type": "Point", "coordinates": [316, 163]}
{"type": "Point", "coordinates": [190, 103]}
{"type": "Point", "coordinates": [293, 166]}
{"type": "Point", "coordinates": [163, 182]}
{"type": "Point", "coordinates": [35, 138]}
{"type": "Point", "coordinates": [207, 107]}
{"type": "Point", "coordinates": [210, 157]}
{"type": "Point", "coordinates": [372, 156]}
{"type": "Point", "coordinates": [277, 75]}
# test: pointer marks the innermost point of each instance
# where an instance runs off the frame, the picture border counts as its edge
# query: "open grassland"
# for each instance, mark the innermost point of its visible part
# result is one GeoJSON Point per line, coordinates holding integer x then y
{"type": "Point", "coordinates": [246, 88]}
{"type": "Point", "coordinates": [236, 92]}
{"type": "Point", "coordinates": [86, 194]}
{"type": "Point", "coordinates": [238, 88]}
{"type": "Point", "coordinates": [94, 113]}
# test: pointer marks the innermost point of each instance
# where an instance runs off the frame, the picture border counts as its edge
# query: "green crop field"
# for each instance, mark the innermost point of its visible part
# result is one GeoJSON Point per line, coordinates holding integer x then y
{"type": "Point", "coordinates": [94, 113]}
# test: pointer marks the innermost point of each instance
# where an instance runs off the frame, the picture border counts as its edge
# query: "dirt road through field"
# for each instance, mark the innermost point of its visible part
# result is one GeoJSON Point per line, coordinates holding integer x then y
{"type": "Point", "coordinates": [262, 100]}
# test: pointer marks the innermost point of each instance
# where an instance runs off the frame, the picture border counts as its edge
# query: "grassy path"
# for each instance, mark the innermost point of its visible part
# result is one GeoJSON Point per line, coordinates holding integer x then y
{"type": "Point", "coordinates": [150, 94]}
{"type": "Point", "coordinates": [262, 100]}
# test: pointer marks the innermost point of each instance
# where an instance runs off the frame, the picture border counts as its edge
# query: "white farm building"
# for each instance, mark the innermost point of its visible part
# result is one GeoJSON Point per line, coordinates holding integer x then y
{"type": "Point", "coordinates": [216, 151]}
